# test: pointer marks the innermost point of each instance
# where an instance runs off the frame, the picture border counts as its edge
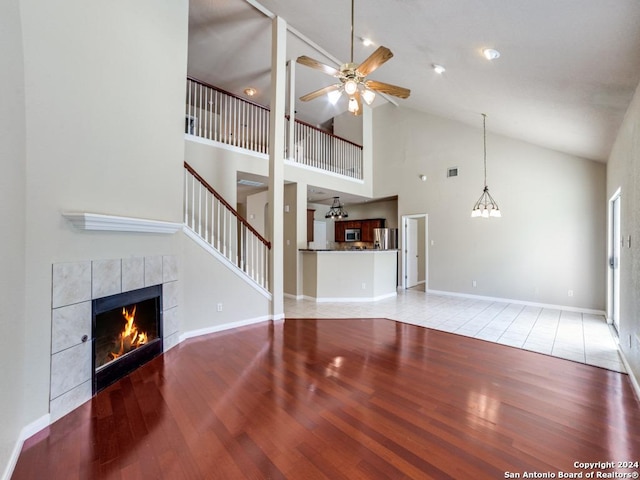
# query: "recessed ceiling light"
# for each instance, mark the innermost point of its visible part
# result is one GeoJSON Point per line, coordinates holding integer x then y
{"type": "Point", "coordinates": [490, 53]}
{"type": "Point", "coordinates": [438, 68]}
{"type": "Point", "coordinates": [366, 41]}
{"type": "Point", "coordinates": [250, 91]}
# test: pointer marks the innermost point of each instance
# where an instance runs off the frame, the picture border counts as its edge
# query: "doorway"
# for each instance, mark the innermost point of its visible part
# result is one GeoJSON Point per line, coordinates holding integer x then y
{"type": "Point", "coordinates": [615, 244]}
{"type": "Point", "coordinates": [414, 250]}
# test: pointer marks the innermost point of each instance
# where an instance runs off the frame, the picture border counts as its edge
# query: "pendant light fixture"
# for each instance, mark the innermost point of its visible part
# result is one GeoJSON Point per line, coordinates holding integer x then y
{"type": "Point", "coordinates": [336, 210]}
{"type": "Point", "coordinates": [486, 206]}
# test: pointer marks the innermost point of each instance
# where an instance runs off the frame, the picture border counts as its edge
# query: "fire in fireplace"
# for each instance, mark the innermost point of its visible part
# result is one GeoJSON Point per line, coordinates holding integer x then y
{"type": "Point", "coordinates": [127, 332]}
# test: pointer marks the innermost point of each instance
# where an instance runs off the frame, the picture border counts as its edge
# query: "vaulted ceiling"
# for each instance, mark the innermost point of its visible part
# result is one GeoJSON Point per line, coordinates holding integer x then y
{"type": "Point", "coordinates": [567, 71]}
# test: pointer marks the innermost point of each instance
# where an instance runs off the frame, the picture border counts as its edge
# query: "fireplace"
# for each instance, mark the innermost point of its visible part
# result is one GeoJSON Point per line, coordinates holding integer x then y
{"type": "Point", "coordinates": [126, 333]}
{"type": "Point", "coordinates": [75, 288]}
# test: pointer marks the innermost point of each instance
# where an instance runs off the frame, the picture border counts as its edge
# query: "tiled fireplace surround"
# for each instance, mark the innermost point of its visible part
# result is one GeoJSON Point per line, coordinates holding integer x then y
{"type": "Point", "coordinates": [74, 286]}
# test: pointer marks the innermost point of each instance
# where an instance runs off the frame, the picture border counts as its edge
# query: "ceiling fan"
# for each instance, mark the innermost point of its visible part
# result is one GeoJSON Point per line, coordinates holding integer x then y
{"type": "Point", "coordinates": [353, 78]}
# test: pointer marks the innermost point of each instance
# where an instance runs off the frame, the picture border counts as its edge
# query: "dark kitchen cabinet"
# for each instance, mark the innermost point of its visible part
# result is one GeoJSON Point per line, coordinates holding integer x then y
{"type": "Point", "coordinates": [367, 226]}
{"type": "Point", "coordinates": [339, 231]}
{"type": "Point", "coordinates": [310, 214]}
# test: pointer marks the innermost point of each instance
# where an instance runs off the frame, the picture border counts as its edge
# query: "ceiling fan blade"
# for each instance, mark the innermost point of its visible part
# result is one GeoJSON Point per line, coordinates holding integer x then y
{"type": "Point", "coordinates": [387, 88]}
{"type": "Point", "coordinates": [319, 92]}
{"type": "Point", "coordinates": [377, 58]}
{"type": "Point", "coordinates": [310, 62]}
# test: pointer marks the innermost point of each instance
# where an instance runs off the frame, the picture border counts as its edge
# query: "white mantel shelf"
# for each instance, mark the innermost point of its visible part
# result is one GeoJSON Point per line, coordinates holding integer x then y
{"type": "Point", "coordinates": [112, 223]}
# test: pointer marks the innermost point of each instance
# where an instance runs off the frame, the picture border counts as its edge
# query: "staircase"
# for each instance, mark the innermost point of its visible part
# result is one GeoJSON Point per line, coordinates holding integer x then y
{"type": "Point", "coordinates": [210, 219]}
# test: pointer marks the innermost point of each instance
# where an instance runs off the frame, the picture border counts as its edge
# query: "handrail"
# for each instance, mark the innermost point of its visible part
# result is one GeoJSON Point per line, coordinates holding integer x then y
{"type": "Point", "coordinates": [324, 132]}
{"type": "Point", "coordinates": [205, 84]}
{"type": "Point", "coordinates": [232, 210]}
{"type": "Point", "coordinates": [208, 216]}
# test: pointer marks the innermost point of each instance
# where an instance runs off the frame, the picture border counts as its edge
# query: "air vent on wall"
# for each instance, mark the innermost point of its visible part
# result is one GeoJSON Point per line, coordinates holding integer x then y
{"type": "Point", "coordinates": [452, 172]}
{"type": "Point", "coordinates": [250, 183]}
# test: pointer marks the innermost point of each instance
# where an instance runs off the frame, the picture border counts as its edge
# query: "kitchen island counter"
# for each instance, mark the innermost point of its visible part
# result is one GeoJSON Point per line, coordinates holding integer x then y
{"type": "Point", "coordinates": [349, 275]}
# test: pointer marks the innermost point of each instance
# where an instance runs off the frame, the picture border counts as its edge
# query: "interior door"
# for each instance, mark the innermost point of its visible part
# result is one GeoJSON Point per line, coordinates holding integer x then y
{"type": "Point", "coordinates": [411, 252]}
{"type": "Point", "coordinates": [614, 261]}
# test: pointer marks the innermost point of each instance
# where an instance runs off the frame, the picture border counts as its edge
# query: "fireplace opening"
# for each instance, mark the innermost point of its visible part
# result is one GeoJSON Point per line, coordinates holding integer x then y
{"type": "Point", "coordinates": [127, 333]}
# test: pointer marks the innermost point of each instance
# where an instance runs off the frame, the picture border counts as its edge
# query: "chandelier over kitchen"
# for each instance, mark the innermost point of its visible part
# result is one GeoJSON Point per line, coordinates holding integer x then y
{"type": "Point", "coordinates": [336, 210]}
{"type": "Point", "coordinates": [486, 206]}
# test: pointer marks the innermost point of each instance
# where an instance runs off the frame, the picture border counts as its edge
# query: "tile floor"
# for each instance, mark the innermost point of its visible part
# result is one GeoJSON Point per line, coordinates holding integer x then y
{"type": "Point", "coordinates": [580, 337]}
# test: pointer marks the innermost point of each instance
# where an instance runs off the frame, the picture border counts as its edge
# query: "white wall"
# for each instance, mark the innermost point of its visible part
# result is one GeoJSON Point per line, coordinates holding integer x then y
{"type": "Point", "coordinates": [551, 238]}
{"type": "Point", "coordinates": [349, 127]}
{"type": "Point", "coordinates": [291, 237]}
{"type": "Point", "coordinates": [98, 140]}
{"type": "Point", "coordinates": [207, 283]}
{"type": "Point", "coordinates": [623, 171]}
{"type": "Point", "coordinates": [256, 214]}
{"type": "Point", "coordinates": [12, 234]}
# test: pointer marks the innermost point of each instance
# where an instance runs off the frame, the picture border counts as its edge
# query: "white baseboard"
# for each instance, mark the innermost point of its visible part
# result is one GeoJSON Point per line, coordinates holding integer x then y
{"type": "Point", "coordinates": [349, 299]}
{"type": "Point", "coordinates": [518, 302]}
{"type": "Point", "coordinates": [634, 381]}
{"type": "Point", "coordinates": [222, 327]}
{"type": "Point", "coordinates": [293, 297]}
{"type": "Point", "coordinates": [28, 431]}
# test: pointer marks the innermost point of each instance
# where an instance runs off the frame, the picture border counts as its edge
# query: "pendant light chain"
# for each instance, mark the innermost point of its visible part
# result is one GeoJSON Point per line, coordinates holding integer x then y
{"type": "Point", "coordinates": [484, 129]}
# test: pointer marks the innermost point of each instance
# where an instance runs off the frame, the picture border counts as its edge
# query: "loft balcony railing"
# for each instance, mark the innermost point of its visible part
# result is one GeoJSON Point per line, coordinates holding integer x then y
{"type": "Point", "coordinates": [217, 223]}
{"type": "Point", "coordinates": [220, 116]}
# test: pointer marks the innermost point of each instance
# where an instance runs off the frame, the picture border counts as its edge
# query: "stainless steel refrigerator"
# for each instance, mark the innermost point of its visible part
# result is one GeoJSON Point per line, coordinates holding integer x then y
{"type": "Point", "coordinates": [385, 238]}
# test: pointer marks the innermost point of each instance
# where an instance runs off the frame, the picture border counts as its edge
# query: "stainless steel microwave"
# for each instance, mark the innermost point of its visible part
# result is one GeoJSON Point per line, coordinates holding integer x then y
{"type": "Point", "coordinates": [352, 235]}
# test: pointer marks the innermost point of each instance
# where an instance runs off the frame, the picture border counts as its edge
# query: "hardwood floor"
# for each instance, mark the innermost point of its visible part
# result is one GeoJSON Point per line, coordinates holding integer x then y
{"type": "Point", "coordinates": [343, 399]}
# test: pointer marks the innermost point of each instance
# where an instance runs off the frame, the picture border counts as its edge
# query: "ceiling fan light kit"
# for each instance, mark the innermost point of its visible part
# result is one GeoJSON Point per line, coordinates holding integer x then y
{"type": "Point", "coordinates": [368, 96]}
{"type": "Point", "coordinates": [353, 105]}
{"type": "Point", "coordinates": [352, 78]}
{"type": "Point", "coordinates": [334, 96]}
{"type": "Point", "coordinates": [350, 87]}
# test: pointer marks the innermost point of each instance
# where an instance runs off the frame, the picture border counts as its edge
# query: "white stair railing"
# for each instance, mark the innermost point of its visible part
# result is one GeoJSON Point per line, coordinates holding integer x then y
{"type": "Point", "coordinates": [217, 223]}
{"type": "Point", "coordinates": [220, 116]}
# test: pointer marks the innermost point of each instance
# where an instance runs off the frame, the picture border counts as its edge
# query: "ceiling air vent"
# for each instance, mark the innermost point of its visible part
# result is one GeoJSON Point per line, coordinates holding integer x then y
{"type": "Point", "coordinates": [452, 172]}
